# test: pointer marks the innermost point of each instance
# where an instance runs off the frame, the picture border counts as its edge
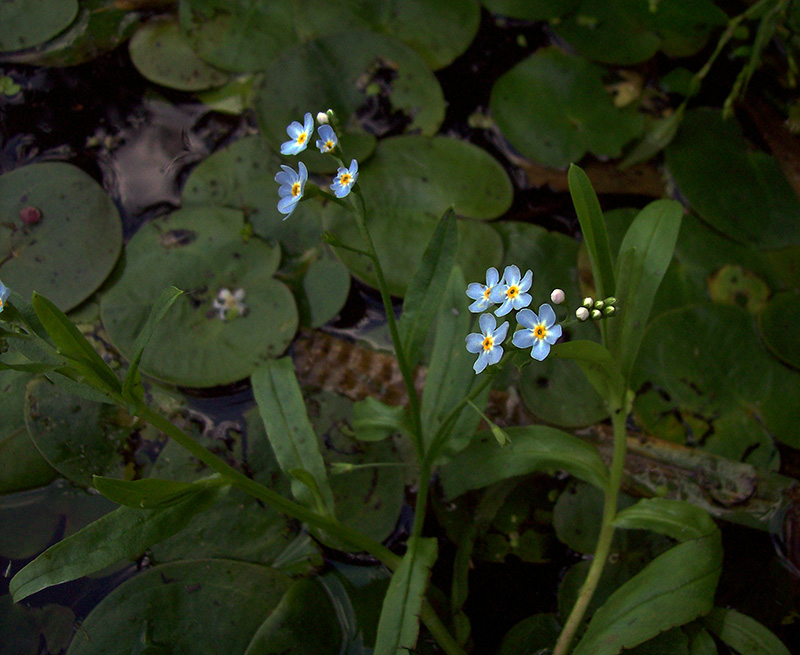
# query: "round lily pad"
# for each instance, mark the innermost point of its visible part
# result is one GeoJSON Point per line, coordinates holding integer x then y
{"type": "Point", "coordinates": [202, 607]}
{"type": "Point", "coordinates": [326, 285]}
{"type": "Point", "coordinates": [72, 247]}
{"type": "Point", "coordinates": [553, 108]}
{"type": "Point", "coordinates": [26, 23]}
{"type": "Point", "coordinates": [78, 437]}
{"type": "Point", "coordinates": [163, 55]}
{"type": "Point", "coordinates": [530, 9]}
{"type": "Point", "coordinates": [407, 186]}
{"type": "Point", "coordinates": [628, 32]}
{"type": "Point", "coordinates": [703, 379]}
{"type": "Point", "coordinates": [21, 464]}
{"type": "Point", "coordinates": [777, 324]}
{"type": "Point", "coordinates": [242, 176]}
{"type": "Point", "coordinates": [738, 191]}
{"type": "Point", "coordinates": [201, 250]}
{"type": "Point", "coordinates": [375, 84]}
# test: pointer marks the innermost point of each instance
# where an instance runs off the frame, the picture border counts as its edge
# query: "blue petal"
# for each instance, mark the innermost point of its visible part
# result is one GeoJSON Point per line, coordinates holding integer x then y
{"type": "Point", "coordinates": [353, 169]}
{"type": "Point", "coordinates": [527, 318]}
{"type": "Point", "coordinates": [498, 293]}
{"type": "Point", "coordinates": [500, 333]}
{"type": "Point", "coordinates": [495, 354]}
{"type": "Point", "coordinates": [487, 323]}
{"type": "Point", "coordinates": [506, 307]}
{"type": "Point", "coordinates": [492, 277]}
{"type": "Point", "coordinates": [475, 290]}
{"type": "Point", "coordinates": [522, 300]}
{"type": "Point", "coordinates": [523, 338]}
{"type": "Point", "coordinates": [481, 362]}
{"type": "Point", "coordinates": [308, 123]}
{"type": "Point", "coordinates": [526, 282]}
{"type": "Point", "coordinates": [474, 342]}
{"type": "Point", "coordinates": [540, 349]}
{"type": "Point", "coordinates": [479, 305]}
{"type": "Point", "coordinates": [294, 129]}
{"type": "Point", "coordinates": [553, 334]}
{"type": "Point", "coordinates": [303, 176]}
{"type": "Point", "coordinates": [287, 205]}
{"type": "Point", "coordinates": [511, 275]}
{"type": "Point", "coordinates": [547, 315]}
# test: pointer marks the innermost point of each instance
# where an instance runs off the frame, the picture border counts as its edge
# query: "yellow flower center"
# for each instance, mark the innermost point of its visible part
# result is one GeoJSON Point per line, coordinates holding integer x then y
{"type": "Point", "coordinates": [329, 145]}
{"type": "Point", "coordinates": [487, 292]}
{"type": "Point", "coordinates": [345, 179]}
{"type": "Point", "coordinates": [512, 291]}
{"type": "Point", "coordinates": [296, 189]}
{"type": "Point", "coordinates": [540, 331]}
{"type": "Point", "coordinates": [488, 343]}
{"type": "Point", "coordinates": [301, 138]}
{"type": "Point", "coordinates": [1, 303]}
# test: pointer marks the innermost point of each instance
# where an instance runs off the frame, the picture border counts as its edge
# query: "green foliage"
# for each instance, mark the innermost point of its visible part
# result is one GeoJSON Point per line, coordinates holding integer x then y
{"type": "Point", "coordinates": [742, 633]}
{"type": "Point", "coordinates": [27, 23]}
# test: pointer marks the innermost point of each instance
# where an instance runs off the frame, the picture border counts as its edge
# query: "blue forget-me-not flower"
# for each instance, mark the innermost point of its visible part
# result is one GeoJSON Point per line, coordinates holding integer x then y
{"type": "Point", "coordinates": [345, 179]}
{"type": "Point", "coordinates": [511, 291]}
{"type": "Point", "coordinates": [487, 344]}
{"type": "Point", "coordinates": [300, 135]}
{"type": "Point", "coordinates": [481, 293]}
{"type": "Point", "coordinates": [539, 331]}
{"type": "Point", "coordinates": [4, 293]}
{"type": "Point", "coordinates": [291, 189]}
{"type": "Point", "coordinates": [328, 140]}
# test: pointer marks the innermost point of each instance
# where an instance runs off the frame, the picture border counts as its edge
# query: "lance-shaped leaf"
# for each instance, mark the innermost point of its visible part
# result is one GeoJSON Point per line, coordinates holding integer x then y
{"type": "Point", "coordinates": [374, 420]}
{"type": "Point", "coordinates": [597, 365]}
{"type": "Point", "coordinates": [283, 411]}
{"type": "Point", "coordinates": [644, 255]}
{"type": "Point", "coordinates": [399, 623]}
{"type": "Point", "coordinates": [123, 534]}
{"type": "Point", "coordinates": [675, 588]}
{"type": "Point", "coordinates": [743, 634]}
{"type": "Point", "coordinates": [593, 227]}
{"type": "Point", "coordinates": [427, 287]}
{"type": "Point", "coordinates": [131, 387]}
{"type": "Point", "coordinates": [532, 448]}
{"type": "Point", "coordinates": [151, 493]}
{"type": "Point", "coordinates": [74, 346]}
{"type": "Point", "coordinates": [674, 518]}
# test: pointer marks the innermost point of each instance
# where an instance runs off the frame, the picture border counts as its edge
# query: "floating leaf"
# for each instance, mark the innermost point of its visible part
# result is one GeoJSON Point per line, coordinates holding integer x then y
{"type": "Point", "coordinates": [164, 56]}
{"type": "Point", "coordinates": [79, 438]}
{"type": "Point", "coordinates": [326, 286]}
{"type": "Point", "coordinates": [200, 607]}
{"type": "Point", "coordinates": [738, 191]}
{"type": "Point", "coordinates": [71, 250]}
{"type": "Point", "coordinates": [532, 635]}
{"type": "Point", "coordinates": [339, 72]}
{"type": "Point", "coordinates": [27, 23]}
{"type": "Point", "coordinates": [628, 31]}
{"type": "Point", "coordinates": [413, 180]}
{"type": "Point", "coordinates": [533, 448]}
{"type": "Point", "coordinates": [553, 108]}
{"type": "Point", "coordinates": [200, 250]}
{"type": "Point", "coordinates": [776, 325]}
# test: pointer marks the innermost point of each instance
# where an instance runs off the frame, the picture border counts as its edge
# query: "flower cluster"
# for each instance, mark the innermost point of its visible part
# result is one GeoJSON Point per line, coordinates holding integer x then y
{"type": "Point", "coordinates": [230, 305]}
{"type": "Point", "coordinates": [293, 184]}
{"type": "Point", "coordinates": [4, 293]}
{"type": "Point", "coordinates": [538, 332]}
{"type": "Point", "coordinates": [596, 309]}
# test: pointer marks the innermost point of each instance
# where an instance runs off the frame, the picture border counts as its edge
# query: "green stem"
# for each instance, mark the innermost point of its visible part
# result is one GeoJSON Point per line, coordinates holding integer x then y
{"type": "Point", "coordinates": [604, 539]}
{"type": "Point", "coordinates": [327, 523]}
{"type": "Point", "coordinates": [402, 362]}
{"type": "Point", "coordinates": [435, 626]}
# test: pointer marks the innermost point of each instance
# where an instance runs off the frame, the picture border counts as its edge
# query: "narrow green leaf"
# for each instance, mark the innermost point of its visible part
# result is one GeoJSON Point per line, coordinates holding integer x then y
{"type": "Point", "coordinates": [598, 366]}
{"type": "Point", "coordinates": [674, 518]}
{"type": "Point", "coordinates": [74, 346]}
{"type": "Point", "coordinates": [131, 387]}
{"type": "Point", "coordinates": [593, 227]}
{"type": "Point", "coordinates": [675, 588]}
{"type": "Point", "coordinates": [122, 534]}
{"type": "Point", "coordinates": [496, 430]}
{"type": "Point", "coordinates": [644, 255]}
{"type": "Point", "coordinates": [283, 411]}
{"type": "Point", "coordinates": [301, 475]}
{"type": "Point", "coordinates": [27, 368]}
{"type": "Point", "coordinates": [374, 420]}
{"type": "Point", "coordinates": [427, 287]}
{"type": "Point", "coordinates": [743, 633]}
{"type": "Point", "coordinates": [450, 376]}
{"type": "Point", "coordinates": [702, 643]}
{"type": "Point", "coordinates": [150, 493]}
{"type": "Point", "coordinates": [658, 137]}
{"type": "Point", "coordinates": [532, 448]}
{"type": "Point", "coordinates": [399, 623]}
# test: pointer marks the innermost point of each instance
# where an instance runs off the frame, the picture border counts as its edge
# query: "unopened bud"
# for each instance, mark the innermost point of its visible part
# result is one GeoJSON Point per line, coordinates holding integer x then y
{"type": "Point", "coordinates": [322, 118]}
{"type": "Point", "coordinates": [557, 296]}
{"type": "Point", "coordinates": [596, 314]}
{"type": "Point", "coordinates": [611, 300]}
{"type": "Point", "coordinates": [581, 313]}
{"type": "Point", "coordinates": [598, 304]}
{"type": "Point", "coordinates": [588, 302]}
{"type": "Point", "coordinates": [610, 311]}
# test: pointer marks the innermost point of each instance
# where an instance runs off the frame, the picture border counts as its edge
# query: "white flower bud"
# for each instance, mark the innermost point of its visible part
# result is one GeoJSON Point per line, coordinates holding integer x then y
{"type": "Point", "coordinates": [557, 296]}
{"type": "Point", "coordinates": [322, 118]}
{"type": "Point", "coordinates": [588, 302]}
{"type": "Point", "coordinates": [596, 314]}
{"type": "Point", "coordinates": [581, 313]}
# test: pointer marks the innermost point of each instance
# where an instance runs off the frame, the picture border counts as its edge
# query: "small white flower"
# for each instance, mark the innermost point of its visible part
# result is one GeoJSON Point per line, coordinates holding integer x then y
{"type": "Point", "coordinates": [322, 118]}
{"type": "Point", "coordinates": [230, 305]}
{"type": "Point", "coordinates": [581, 313]}
{"type": "Point", "coordinates": [558, 296]}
